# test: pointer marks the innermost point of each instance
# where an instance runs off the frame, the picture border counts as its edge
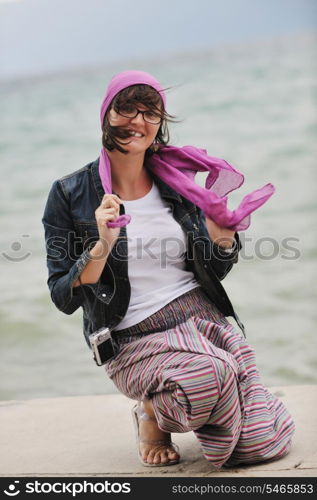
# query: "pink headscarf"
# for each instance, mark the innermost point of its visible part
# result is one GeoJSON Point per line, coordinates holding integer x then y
{"type": "Point", "coordinates": [177, 167]}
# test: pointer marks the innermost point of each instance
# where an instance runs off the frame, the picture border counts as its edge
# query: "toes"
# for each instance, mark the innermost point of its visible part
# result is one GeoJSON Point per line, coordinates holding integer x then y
{"type": "Point", "coordinates": [164, 457]}
{"type": "Point", "coordinates": [144, 457]}
{"type": "Point", "coordinates": [159, 456]}
{"type": "Point", "coordinates": [150, 457]}
{"type": "Point", "coordinates": [145, 452]}
{"type": "Point", "coordinates": [173, 455]}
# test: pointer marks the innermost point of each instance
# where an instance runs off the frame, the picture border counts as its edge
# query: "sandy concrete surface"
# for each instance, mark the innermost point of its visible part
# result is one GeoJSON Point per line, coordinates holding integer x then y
{"type": "Point", "coordinates": [94, 436]}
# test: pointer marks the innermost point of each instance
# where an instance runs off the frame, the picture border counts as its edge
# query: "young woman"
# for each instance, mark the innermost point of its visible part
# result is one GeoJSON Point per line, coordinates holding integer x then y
{"type": "Point", "coordinates": [147, 262]}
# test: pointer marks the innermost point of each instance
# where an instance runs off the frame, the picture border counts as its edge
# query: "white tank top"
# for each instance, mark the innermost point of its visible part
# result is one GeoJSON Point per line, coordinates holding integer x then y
{"type": "Point", "coordinates": [156, 257]}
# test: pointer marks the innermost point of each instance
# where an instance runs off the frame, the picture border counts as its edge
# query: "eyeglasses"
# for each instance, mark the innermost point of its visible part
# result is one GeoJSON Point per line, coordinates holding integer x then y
{"type": "Point", "coordinates": [132, 112]}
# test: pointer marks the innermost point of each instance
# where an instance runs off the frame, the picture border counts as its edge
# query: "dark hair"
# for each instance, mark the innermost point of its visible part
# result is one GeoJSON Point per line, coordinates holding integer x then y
{"type": "Point", "coordinates": [134, 94]}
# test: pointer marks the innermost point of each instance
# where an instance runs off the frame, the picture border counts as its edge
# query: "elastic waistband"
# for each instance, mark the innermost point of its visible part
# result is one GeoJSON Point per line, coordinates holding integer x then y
{"type": "Point", "coordinates": [192, 303]}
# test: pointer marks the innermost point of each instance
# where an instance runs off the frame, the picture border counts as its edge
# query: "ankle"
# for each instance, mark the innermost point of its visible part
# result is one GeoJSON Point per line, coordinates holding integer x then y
{"type": "Point", "coordinates": [147, 409]}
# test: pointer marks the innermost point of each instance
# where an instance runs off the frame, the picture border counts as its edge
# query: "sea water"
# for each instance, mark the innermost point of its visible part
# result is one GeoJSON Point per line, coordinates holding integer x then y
{"type": "Point", "coordinates": [253, 105]}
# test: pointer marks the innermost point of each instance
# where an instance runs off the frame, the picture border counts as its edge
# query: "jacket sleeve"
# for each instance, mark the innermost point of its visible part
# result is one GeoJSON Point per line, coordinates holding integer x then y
{"type": "Point", "coordinates": [64, 265]}
{"type": "Point", "coordinates": [221, 260]}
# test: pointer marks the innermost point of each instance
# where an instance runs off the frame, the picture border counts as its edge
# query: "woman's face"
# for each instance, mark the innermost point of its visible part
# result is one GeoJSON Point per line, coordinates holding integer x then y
{"type": "Point", "coordinates": [142, 133]}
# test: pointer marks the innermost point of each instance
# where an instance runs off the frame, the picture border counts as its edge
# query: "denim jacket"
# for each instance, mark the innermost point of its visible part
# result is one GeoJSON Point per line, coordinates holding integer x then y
{"type": "Point", "coordinates": [71, 230]}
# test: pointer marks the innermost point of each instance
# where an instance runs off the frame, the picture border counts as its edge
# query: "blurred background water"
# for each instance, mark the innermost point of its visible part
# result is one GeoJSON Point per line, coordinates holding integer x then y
{"type": "Point", "coordinates": [255, 106]}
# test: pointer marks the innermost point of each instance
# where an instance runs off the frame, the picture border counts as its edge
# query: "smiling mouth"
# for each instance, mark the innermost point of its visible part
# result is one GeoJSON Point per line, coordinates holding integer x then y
{"type": "Point", "coordinates": [133, 133]}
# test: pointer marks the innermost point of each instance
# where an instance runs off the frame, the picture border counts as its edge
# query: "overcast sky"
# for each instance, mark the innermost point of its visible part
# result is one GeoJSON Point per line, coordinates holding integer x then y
{"type": "Point", "coordinates": [41, 36]}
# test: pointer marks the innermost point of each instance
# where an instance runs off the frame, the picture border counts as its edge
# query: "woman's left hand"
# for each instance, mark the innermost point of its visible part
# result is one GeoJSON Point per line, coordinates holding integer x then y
{"type": "Point", "coordinates": [223, 236]}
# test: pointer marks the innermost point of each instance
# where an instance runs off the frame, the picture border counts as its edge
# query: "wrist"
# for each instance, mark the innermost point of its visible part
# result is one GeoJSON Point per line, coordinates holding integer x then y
{"type": "Point", "coordinates": [100, 250]}
{"type": "Point", "coordinates": [222, 236]}
{"type": "Point", "coordinates": [224, 243]}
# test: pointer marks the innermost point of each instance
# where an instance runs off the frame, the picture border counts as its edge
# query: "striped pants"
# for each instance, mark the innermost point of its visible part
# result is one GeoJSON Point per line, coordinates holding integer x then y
{"type": "Point", "coordinates": [201, 376]}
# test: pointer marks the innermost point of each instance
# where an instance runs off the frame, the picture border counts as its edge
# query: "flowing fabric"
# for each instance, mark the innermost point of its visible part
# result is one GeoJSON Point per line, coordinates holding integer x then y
{"type": "Point", "coordinates": [201, 376]}
{"type": "Point", "coordinates": [177, 167]}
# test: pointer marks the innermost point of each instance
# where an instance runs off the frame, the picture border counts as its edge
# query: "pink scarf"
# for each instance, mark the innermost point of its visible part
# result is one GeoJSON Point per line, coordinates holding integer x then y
{"type": "Point", "coordinates": [177, 167]}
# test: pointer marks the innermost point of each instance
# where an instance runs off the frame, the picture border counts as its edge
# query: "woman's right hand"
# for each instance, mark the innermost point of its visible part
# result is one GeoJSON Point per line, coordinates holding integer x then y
{"type": "Point", "coordinates": [108, 210]}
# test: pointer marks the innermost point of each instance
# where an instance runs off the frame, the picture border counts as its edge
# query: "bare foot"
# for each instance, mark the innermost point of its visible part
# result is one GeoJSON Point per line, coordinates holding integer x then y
{"type": "Point", "coordinates": [151, 452]}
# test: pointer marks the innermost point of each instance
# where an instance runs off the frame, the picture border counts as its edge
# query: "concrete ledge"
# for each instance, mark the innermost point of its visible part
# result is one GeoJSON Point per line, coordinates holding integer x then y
{"type": "Point", "coordinates": [94, 436]}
